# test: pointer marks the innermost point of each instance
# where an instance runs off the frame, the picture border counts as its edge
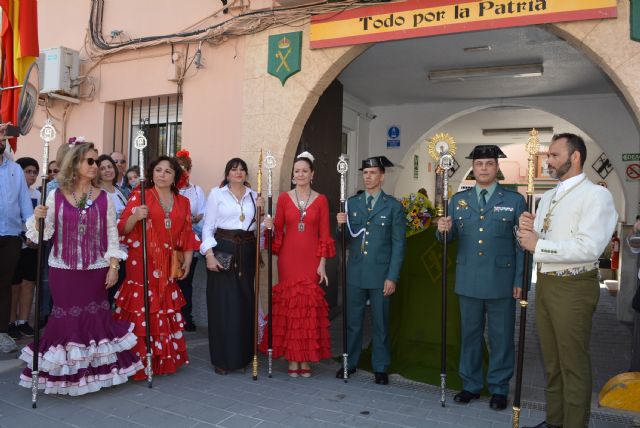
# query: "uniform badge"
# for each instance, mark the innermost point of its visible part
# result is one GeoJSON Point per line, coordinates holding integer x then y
{"type": "Point", "coordinates": [462, 203]}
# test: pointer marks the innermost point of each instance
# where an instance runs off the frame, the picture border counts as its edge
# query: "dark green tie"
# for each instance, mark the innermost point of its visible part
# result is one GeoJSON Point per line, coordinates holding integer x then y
{"type": "Point", "coordinates": [483, 199]}
{"type": "Point", "coordinates": [369, 202]}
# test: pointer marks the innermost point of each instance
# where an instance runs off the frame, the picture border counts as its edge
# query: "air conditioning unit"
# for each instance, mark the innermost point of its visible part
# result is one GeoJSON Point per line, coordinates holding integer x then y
{"type": "Point", "coordinates": [59, 69]}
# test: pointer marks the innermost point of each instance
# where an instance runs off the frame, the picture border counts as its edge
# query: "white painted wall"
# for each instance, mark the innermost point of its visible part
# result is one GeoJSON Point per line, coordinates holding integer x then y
{"type": "Point", "coordinates": [601, 119]}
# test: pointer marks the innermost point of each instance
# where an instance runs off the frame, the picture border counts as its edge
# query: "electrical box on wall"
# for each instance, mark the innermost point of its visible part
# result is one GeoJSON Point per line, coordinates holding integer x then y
{"type": "Point", "coordinates": [59, 68]}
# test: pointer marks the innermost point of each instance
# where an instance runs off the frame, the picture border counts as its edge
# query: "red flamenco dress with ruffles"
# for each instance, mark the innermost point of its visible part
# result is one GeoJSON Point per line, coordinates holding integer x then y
{"type": "Point", "coordinates": [165, 298]}
{"type": "Point", "coordinates": [300, 311]}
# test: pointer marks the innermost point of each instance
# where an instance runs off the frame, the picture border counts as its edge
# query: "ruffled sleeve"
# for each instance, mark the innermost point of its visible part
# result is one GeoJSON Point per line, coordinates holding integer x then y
{"type": "Point", "coordinates": [278, 224]}
{"type": "Point", "coordinates": [113, 241]}
{"type": "Point", "coordinates": [326, 245]}
{"type": "Point", "coordinates": [187, 241]}
{"type": "Point", "coordinates": [49, 225]}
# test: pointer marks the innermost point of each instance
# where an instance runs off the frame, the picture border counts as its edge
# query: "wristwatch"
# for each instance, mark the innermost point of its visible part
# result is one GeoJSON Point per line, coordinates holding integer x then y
{"type": "Point", "coordinates": [115, 266]}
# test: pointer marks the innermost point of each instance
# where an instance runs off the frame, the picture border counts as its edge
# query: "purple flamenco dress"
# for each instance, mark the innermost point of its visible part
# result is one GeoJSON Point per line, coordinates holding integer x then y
{"type": "Point", "coordinates": [82, 349]}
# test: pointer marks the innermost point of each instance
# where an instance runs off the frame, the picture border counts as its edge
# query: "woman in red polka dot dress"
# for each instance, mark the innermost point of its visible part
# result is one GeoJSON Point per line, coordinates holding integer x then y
{"type": "Point", "coordinates": [168, 227]}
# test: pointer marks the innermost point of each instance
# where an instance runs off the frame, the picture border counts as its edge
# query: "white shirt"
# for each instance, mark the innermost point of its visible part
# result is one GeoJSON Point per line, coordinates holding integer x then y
{"type": "Point", "coordinates": [582, 223]}
{"type": "Point", "coordinates": [567, 184]}
{"type": "Point", "coordinates": [118, 199]}
{"type": "Point", "coordinates": [223, 211]}
{"type": "Point", "coordinates": [196, 197]}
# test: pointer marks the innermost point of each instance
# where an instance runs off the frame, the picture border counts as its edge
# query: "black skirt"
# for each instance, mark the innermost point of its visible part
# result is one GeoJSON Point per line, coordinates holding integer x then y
{"type": "Point", "coordinates": [230, 304]}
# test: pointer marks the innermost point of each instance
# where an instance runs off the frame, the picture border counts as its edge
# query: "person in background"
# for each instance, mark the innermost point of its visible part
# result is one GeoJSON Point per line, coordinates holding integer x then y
{"type": "Point", "coordinates": [133, 176]}
{"type": "Point", "coordinates": [633, 240]}
{"type": "Point", "coordinates": [16, 208]}
{"type": "Point", "coordinates": [106, 181]}
{"type": "Point", "coordinates": [24, 278]}
{"type": "Point", "coordinates": [121, 179]}
{"type": "Point", "coordinates": [615, 254]}
{"type": "Point", "coordinates": [197, 200]}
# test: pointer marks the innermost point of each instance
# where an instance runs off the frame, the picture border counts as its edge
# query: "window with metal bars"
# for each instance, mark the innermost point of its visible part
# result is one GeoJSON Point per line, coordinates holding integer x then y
{"type": "Point", "coordinates": [160, 118]}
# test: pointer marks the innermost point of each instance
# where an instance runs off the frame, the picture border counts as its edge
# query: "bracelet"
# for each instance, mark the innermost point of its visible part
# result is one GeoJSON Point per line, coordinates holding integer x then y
{"type": "Point", "coordinates": [115, 266]}
{"type": "Point", "coordinates": [208, 254]}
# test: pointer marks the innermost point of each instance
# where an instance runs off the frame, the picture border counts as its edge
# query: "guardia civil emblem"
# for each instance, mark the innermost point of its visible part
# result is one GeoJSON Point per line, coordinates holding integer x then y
{"type": "Point", "coordinates": [284, 55]}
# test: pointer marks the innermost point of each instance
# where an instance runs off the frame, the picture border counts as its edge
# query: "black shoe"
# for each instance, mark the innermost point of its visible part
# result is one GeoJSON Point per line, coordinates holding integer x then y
{"type": "Point", "coordinates": [498, 402]}
{"type": "Point", "coordinates": [340, 372]}
{"type": "Point", "coordinates": [382, 378]}
{"type": "Point", "coordinates": [465, 396]}
{"type": "Point", "coordinates": [544, 424]}
{"type": "Point", "coordinates": [189, 326]}
{"type": "Point", "coordinates": [14, 331]}
{"type": "Point", "coordinates": [26, 330]}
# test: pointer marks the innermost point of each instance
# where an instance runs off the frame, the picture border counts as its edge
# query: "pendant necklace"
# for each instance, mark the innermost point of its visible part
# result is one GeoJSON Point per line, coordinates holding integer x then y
{"type": "Point", "coordinates": [83, 205]}
{"type": "Point", "coordinates": [240, 204]}
{"type": "Point", "coordinates": [165, 209]}
{"type": "Point", "coordinates": [546, 223]}
{"type": "Point", "coordinates": [302, 207]}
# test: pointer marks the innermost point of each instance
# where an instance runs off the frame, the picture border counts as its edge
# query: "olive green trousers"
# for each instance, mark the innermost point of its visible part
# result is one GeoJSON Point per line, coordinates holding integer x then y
{"type": "Point", "coordinates": [564, 310]}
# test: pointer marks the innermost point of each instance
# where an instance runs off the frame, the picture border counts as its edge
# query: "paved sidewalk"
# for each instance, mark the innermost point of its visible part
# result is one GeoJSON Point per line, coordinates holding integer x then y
{"type": "Point", "coordinates": [196, 397]}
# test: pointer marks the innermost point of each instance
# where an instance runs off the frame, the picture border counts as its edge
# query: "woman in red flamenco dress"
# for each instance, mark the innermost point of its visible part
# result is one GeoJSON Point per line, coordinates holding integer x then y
{"type": "Point", "coordinates": [168, 227]}
{"type": "Point", "coordinates": [303, 243]}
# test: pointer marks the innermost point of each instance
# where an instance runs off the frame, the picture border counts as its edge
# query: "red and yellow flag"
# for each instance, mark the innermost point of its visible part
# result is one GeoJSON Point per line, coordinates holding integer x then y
{"type": "Point", "coordinates": [19, 49]}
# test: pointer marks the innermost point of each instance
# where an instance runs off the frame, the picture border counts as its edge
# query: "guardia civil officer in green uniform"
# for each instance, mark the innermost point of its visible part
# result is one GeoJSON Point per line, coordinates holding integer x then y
{"type": "Point", "coordinates": [489, 273]}
{"type": "Point", "coordinates": [376, 249]}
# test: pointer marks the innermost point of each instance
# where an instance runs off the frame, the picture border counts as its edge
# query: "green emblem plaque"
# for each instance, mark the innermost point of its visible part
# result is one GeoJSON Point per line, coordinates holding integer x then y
{"type": "Point", "coordinates": [284, 55]}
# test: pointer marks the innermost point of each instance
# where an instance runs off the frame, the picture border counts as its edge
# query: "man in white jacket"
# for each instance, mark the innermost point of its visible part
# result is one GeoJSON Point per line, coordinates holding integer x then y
{"type": "Point", "coordinates": [569, 232]}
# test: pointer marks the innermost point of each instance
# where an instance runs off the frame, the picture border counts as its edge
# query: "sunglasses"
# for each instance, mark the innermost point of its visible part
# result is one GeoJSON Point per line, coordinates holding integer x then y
{"type": "Point", "coordinates": [54, 171]}
{"type": "Point", "coordinates": [122, 161]}
{"type": "Point", "coordinates": [90, 161]}
{"type": "Point", "coordinates": [31, 172]}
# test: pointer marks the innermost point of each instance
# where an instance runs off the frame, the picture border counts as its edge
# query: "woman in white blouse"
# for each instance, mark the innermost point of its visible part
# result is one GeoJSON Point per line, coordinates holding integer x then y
{"type": "Point", "coordinates": [80, 222]}
{"type": "Point", "coordinates": [229, 247]}
{"type": "Point", "coordinates": [106, 180]}
{"type": "Point", "coordinates": [197, 200]}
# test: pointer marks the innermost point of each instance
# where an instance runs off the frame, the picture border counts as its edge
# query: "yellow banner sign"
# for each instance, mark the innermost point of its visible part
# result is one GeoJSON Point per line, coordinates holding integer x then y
{"type": "Point", "coordinates": [419, 18]}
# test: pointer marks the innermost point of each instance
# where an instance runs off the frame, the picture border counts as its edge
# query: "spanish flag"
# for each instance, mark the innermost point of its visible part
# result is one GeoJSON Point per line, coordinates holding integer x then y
{"type": "Point", "coordinates": [19, 50]}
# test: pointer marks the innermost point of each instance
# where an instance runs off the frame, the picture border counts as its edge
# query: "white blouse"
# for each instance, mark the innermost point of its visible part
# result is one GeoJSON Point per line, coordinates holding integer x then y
{"type": "Point", "coordinates": [223, 211]}
{"type": "Point", "coordinates": [118, 199]}
{"type": "Point", "coordinates": [196, 197]}
{"type": "Point", "coordinates": [113, 249]}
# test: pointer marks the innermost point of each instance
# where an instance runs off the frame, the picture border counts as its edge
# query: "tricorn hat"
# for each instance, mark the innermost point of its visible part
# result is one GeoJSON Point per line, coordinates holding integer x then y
{"type": "Point", "coordinates": [489, 151]}
{"type": "Point", "coordinates": [376, 161]}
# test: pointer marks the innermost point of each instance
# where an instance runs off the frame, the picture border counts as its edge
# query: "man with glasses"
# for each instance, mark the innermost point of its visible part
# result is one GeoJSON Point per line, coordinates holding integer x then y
{"type": "Point", "coordinates": [489, 269]}
{"type": "Point", "coordinates": [16, 208]}
{"type": "Point", "coordinates": [121, 179]}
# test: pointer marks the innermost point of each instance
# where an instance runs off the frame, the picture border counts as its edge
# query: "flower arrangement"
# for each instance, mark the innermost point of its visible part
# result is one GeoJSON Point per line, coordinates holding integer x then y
{"type": "Point", "coordinates": [418, 211]}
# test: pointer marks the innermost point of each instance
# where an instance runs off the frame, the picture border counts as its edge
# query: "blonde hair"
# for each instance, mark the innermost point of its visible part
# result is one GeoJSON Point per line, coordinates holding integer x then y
{"type": "Point", "coordinates": [67, 176]}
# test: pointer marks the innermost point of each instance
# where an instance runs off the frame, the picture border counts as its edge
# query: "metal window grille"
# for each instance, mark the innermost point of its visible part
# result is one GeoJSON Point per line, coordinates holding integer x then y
{"type": "Point", "coordinates": [159, 117]}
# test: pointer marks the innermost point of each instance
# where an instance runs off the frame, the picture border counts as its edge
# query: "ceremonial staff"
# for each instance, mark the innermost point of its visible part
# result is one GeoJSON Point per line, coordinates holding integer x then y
{"type": "Point", "coordinates": [140, 143]}
{"type": "Point", "coordinates": [48, 134]}
{"type": "Point", "coordinates": [270, 164]}
{"type": "Point", "coordinates": [343, 167]}
{"type": "Point", "coordinates": [532, 150]}
{"type": "Point", "coordinates": [257, 279]}
{"type": "Point", "coordinates": [442, 147]}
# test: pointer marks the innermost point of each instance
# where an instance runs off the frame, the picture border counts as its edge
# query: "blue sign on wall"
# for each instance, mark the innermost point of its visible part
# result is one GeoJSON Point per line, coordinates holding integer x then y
{"type": "Point", "coordinates": [393, 136]}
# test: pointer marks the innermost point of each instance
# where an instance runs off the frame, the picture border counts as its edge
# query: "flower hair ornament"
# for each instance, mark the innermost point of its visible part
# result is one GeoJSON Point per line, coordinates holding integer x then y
{"type": "Point", "coordinates": [183, 154]}
{"type": "Point", "coordinates": [74, 141]}
{"type": "Point", "coordinates": [306, 155]}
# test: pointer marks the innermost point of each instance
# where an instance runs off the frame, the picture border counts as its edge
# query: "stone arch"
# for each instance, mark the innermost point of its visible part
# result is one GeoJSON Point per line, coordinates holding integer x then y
{"type": "Point", "coordinates": [274, 117]}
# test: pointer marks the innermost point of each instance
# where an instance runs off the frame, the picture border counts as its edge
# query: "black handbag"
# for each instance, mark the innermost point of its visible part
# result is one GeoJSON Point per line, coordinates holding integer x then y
{"type": "Point", "coordinates": [225, 259]}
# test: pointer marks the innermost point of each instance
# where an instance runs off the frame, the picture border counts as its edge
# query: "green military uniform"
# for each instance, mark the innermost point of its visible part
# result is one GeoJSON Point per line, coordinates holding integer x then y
{"type": "Point", "coordinates": [376, 252]}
